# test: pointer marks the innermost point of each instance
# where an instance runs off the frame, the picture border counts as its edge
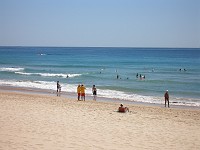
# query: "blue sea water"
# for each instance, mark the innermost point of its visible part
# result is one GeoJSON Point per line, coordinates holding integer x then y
{"type": "Point", "coordinates": [41, 67]}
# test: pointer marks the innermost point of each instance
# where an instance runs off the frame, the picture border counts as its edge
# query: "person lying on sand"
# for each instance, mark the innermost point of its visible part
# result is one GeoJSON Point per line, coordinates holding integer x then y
{"type": "Point", "coordinates": [123, 109]}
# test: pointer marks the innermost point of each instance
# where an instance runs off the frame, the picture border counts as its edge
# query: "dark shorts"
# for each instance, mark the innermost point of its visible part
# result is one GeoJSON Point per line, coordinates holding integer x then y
{"type": "Point", "coordinates": [94, 93]}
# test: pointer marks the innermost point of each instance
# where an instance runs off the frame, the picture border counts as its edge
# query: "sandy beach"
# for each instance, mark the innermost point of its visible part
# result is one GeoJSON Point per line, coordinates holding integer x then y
{"type": "Point", "coordinates": [33, 121]}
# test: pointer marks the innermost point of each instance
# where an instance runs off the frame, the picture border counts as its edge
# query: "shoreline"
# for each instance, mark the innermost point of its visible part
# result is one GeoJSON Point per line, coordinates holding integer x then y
{"type": "Point", "coordinates": [37, 91]}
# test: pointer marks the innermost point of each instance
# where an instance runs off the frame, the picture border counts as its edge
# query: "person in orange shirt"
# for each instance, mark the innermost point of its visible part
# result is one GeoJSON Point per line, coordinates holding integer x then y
{"type": "Point", "coordinates": [82, 88]}
{"type": "Point", "coordinates": [79, 91]}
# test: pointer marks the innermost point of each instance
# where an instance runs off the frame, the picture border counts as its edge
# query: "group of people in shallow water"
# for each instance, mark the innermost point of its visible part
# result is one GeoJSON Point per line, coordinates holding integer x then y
{"type": "Point", "coordinates": [141, 76]}
{"type": "Point", "coordinates": [182, 69]}
{"type": "Point", "coordinates": [137, 75]}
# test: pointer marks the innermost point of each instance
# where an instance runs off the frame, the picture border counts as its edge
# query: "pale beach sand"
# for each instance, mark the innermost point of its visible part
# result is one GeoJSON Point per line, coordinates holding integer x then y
{"type": "Point", "coordinates": [40, 122]}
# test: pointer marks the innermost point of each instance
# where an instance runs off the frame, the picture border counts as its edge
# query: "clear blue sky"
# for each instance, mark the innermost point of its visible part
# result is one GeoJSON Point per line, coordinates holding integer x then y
{"type": "Point", "coordinates": [117, 23]}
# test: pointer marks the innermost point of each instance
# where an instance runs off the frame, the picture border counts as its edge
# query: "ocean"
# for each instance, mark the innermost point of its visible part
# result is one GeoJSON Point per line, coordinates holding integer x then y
{"type": "Point", "coordinates": [113, 71]}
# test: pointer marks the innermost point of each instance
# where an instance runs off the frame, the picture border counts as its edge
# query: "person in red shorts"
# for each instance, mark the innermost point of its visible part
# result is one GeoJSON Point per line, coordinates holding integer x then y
{"type": "Point", "coordinates": [82, 88]}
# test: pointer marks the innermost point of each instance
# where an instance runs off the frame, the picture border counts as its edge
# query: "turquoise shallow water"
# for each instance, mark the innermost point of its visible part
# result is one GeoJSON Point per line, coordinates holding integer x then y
{"type": "Point", "coordinates": [41, 67]}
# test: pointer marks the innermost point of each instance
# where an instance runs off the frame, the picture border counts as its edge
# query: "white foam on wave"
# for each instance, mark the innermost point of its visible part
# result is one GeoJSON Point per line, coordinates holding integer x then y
{"type": "Point", "coordinates": [11, 69]}
{"type": "Point", "coordinates": [127, 96]}
{"type": "Point", "coordinates": [30, 84]}
{"type": "Point", "coordinates": [58, 75]}
{"type": "Point", "coordinates": [50, 85]}
{"type": "Point", "coordinates": [50, 74]}
{"type": "Point", "coordinates": [42, 54]}
{"type": "Point", "coordinates": [23, 73]}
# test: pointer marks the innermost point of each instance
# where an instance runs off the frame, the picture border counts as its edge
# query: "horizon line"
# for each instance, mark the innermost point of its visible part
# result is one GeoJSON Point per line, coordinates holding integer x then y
{"type": "Point", "coordinates": [100, 46]}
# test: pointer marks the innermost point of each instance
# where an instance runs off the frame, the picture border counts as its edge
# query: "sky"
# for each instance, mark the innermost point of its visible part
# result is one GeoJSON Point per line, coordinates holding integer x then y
{"type": "Point", "coordinates": [100, 23]}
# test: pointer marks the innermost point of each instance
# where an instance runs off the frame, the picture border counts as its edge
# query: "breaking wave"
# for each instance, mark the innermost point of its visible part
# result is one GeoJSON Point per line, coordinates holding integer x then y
{"type": "Point", "coordinates": [11, 69]}
{"type": "Point", "coordinates": [50, 74]}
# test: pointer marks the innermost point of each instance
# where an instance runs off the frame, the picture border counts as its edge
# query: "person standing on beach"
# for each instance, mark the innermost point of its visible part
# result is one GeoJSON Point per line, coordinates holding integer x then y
{"type": "Point", "coordinates": [166, 95]}
{"type": "Point", "coordinates": [58, 87]}
{"type": "Point", "coordinates": [94, 92]}
{"type": "Point", "coordinates": [82, 88]}
{"type": "Point", "coordinates": [79, 91]}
